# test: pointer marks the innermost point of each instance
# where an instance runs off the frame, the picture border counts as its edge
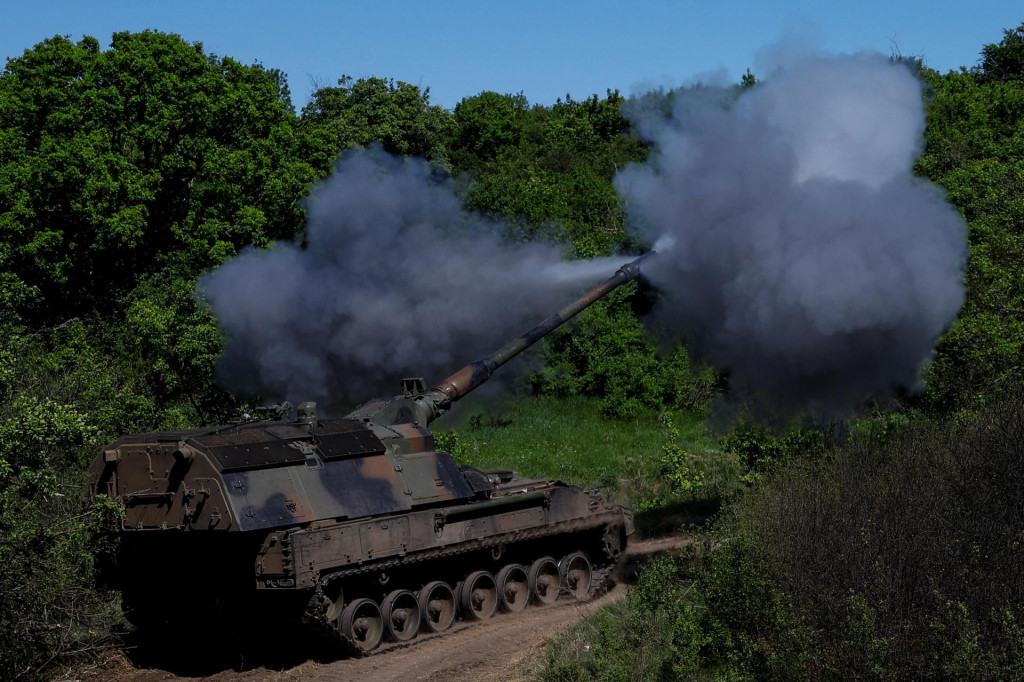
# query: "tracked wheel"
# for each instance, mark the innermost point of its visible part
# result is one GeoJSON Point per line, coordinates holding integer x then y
{"type": "Point", "coordinates": [334, 600]}
{"type": "Point", "coordinates": [576, 575]}
{"type": "Point", "coordinates": [544, 580]}
{"type": "Point", "coordinates": [478, 596]}
{"type": "Point", "coordinates": [437, 605]}
{"type": "Point", "coordinates": [401, 613]}
{"type": "Point", "coordinates": [362, 623]}
{"type": "Point", "coordinates": [513, 588]}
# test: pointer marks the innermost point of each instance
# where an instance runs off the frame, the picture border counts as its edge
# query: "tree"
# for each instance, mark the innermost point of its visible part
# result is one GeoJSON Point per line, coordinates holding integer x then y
{"type": "Point", "coordinates": [116, 163]}
{"type": "Point", "coordinates": [1004, 61]}
{"type": "Point", "coordinates": [397, 115]}
{"type": "Point", "coordinates": [548, 166]}
{"type": "Point", "coordinates": [487, 124]}
{"type": "Point", "coordinates": [974, 147]}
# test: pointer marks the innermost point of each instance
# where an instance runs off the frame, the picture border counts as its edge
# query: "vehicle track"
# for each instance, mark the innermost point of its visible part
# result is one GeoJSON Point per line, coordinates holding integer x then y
{"type": "Point", "coordinates": [506, 648]}
{"type": "Point", "coordinates": [498, 649]}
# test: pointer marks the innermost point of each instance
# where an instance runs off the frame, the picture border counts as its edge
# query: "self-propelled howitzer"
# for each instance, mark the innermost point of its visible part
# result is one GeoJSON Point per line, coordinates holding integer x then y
{"type": "Point", "coordinates": [356, 526]}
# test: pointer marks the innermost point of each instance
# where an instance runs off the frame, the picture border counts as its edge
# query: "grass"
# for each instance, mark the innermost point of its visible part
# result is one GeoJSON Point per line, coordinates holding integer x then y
{"type": "Point", "coordinates": [568, 439]}
{"type": "Point", "coordinates": [652, 634]}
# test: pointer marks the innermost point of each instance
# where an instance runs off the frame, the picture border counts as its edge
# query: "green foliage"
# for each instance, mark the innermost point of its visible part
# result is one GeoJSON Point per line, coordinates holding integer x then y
{"type": "Point", "coordinates": [975, 148]}
{"type": "Point", "coordinates": [49, 429]}
{"type": "Point", "coordinates": [175, 342]}
{"type": "Point", "coordinates": [548, 165]}
{"type": "Point", "coordinates": [655, 635]}
{"type": "Point", "coordinates": [606, 353]}
{"type": "Point", "coordinates": [1003, 61]}
{"type": "Point", "coordinates": [679, 467]}
{"type": "Point", "coordinates": [487, 124]}
{"type": "Point", "coordinates": [452, 442]}
{"type": "Point", "coordinates": [114, 163]}
{"type": "Point", "coordinates": [694, 471]}
{"type": "Point", "coordinates": [748, 619]}
{"type": "Point", "coordinates": [760, 448]}
{"type": "Point", "coordinates": [894, 556]}
{"type": "Point", "coordinates": [704, 615]}
{"type": "Point", "coordinates": [398, 116]}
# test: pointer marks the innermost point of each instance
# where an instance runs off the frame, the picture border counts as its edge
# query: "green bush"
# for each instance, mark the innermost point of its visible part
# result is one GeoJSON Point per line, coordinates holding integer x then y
{"type": "Point", "coordinates": [895, 555]}
{"type": "Point", "coordinates": [51, 612]}
{"type": "Point", "coordinates": [898, 555]}
{"type": "Point", "coordinates": [761, 448]}
{"type": "Point", "coordinates": [654, 635]}
{"type": "Point", "coordinates": [607, 354]}
{"type": "Point", "coordinates": [704, 615]}
{"type": "Point", "coordinates": [694, 471]}
{"type": "Point", "coordinates": [974, 147]}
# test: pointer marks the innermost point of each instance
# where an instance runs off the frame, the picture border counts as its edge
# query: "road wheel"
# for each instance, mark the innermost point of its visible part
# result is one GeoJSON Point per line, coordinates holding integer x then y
{"type": "Point", "coordinates": [513, 588]}
{"type": "Point", "coordinates": [544, 580]}
{"type": "Point", "coordinates": [362, 623]}
{"type": "Point", "coordinates": [437, 604]}
{"type": "Point", "coordinates": [478, 596]}
{"type": "Point", "coordinates": [576, 575]}
{"type": "Point", "coordinates": [401, 612]}
{"type": "Point", "coordinates": [335, 599]}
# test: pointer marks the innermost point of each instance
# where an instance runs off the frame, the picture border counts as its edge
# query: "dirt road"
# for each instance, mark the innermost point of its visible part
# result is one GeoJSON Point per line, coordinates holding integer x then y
{"type": "Point", "coordinates": [505, 648]}
{"type": "Point", "coordinates": [500, 649]}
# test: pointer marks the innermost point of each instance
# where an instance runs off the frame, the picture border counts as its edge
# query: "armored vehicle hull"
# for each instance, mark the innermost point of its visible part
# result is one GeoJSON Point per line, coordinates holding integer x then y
{"type": "Point", "coordinates": [355, 526]}
{"type": "Point", "coordinates": [301, 521]}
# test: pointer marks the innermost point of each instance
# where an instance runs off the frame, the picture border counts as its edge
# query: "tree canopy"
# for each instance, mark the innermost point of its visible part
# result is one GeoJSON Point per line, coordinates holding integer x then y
{"type": "Point", "coordinates": [398, 116]}
{"type": "Point", "coordinates": [115, 164]}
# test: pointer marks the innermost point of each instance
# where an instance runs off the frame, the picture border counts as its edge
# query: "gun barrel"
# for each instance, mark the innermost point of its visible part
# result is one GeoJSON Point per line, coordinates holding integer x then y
{"type": "Point", "coordinates": [476, 373]}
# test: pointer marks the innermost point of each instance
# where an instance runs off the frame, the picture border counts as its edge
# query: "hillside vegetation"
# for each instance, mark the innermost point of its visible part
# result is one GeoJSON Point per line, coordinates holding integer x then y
{"type": "Point", "coordinates": [890, 549]}
{"type": "Point", "coordinates": [887, 548]}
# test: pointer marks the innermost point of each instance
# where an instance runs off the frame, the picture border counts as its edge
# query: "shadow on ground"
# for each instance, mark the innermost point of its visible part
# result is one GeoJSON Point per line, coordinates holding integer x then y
{"type": "Point", "coordinates": [206, 653]}
{"type": "Point", "coordinates": [675, 517]}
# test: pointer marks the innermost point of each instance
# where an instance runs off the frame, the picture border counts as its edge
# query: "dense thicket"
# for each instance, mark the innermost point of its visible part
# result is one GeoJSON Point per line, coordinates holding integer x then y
{"type": "Point", "coordinates": [126, 172]}
{"type": "Point", "coordinates": [895, 554]}
{"type": "Point", "coordinates": [149, 155]}
{"type": "Point", "coordinates": [975, 148]}
{"type": "Point", "coordinates": [548, 167]}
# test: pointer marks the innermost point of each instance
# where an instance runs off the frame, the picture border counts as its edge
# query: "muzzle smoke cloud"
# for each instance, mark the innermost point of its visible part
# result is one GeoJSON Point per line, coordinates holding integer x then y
{"type": "Point", "coordinates": [396, 280]}
{"type": "Point", "coordinates": [798, 249]}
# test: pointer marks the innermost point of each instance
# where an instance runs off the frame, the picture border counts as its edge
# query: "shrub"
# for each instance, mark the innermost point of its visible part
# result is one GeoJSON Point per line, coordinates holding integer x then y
{"type": "Point", "coordinates": [654, 635]}
{"type": "Point", "coordinates": [898, 553]}
{"type": "Point", "coordinates": [607, 354]}
{"type": "Point", "coordinates": [895, 555]}
{"type": "Point", "coordinates": [50, 611]}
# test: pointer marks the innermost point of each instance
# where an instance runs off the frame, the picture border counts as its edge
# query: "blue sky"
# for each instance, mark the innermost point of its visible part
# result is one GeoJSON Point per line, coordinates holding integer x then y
{"type": "Point", "coordinates": [458, 48]}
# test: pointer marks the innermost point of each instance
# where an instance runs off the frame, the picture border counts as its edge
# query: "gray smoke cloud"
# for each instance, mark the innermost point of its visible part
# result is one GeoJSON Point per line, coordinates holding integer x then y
{"type": "Point", "coordinates": [797, 248]}
{"type": "Point", "coordinates": [798, 252]}
{"type": "Point", "coordinates": [395, 279]}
